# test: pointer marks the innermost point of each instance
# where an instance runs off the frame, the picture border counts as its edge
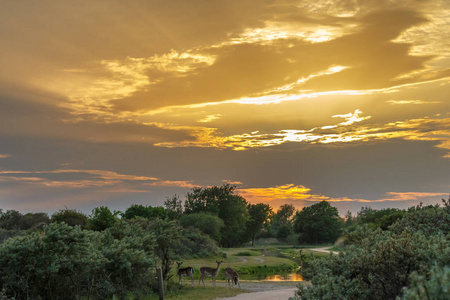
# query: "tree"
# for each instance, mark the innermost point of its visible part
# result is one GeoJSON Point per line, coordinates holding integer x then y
{"type": "Point", "coordinates": [10, 219]}
{"type": "Point", "coordinates": [102, 218]}
{"type": "Point", "coordinates": [282, 221]}
{"type": "Point", "coordinates": [168, 236]}
{"type": "Point", "coordinates": [284, 214]}
{"type": "Point", "coordinates": [318, 223]}
{"type": "Point", "coordinates": [147, 212]}
{"type": "Point", "coordinates": [207, 223]}
{"type": "Point", "coordinates": [411, 256]}
{"type": "Point", "coordinates": [34, 220]}
{"type": "Point", "coordinates": [71, 217]}
{"type": "Point", "coordinates": [173, 207]}
{"type": "Point", "coordinates": [259, 214]}
{"type": "Point", "coordinates": [221, 201]}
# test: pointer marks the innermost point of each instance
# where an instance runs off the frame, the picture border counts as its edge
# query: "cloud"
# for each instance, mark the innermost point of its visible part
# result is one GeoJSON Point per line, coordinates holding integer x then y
{"type": "Point", "coordinates": [436, 128]}
{"type": "Point", "coordinates": [4, 156]}
{"type": "Point", "coordinates": [397, 102]}
{"type": "Point", "coordinates": [301, 196]}
{"type": "Point", "coordinates": [210, 118]}
{"type": "Point", "coordinates": [76, 179]}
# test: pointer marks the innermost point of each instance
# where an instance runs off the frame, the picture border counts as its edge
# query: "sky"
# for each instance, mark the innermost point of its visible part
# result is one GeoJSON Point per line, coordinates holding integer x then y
{"type": "Point", "coordinates": [114, 103]}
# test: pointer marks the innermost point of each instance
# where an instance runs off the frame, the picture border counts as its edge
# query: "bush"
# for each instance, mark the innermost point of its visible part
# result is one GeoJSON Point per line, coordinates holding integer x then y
{"type": "Point", "coordinates": [378, 264]}
{"type": "Point", "coordinates": [71, 217]}
{"type": "Point", "coordinates": [65, 262]}
{"type": "Point", "coordinates": [207, 223]}
{"type": "Point", "coordinates": [436, 287]}
{"type": "Point", "coordinates": [195, 243]}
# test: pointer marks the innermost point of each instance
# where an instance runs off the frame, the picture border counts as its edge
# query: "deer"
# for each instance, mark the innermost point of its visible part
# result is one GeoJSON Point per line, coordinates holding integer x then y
{"type": "Point", "coordinates": [230, 274]}
{"type": "Point", "coordinates": [189, 271]}
{"type": "Point", "coordinates": [209, 272]}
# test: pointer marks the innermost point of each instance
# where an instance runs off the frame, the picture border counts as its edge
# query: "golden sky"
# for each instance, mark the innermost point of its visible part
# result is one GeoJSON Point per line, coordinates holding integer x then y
{"type": "Point", "coordinates": [116, 103]}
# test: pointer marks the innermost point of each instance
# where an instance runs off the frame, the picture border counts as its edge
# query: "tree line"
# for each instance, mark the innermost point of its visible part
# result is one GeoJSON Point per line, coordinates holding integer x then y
{"type": "Point", "coordinates": [111, 253]}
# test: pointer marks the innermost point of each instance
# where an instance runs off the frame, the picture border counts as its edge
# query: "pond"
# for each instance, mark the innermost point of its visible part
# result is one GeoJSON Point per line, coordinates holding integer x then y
{"type": "Point", "coordinates": [273, 277]}
{"type": "Point", "coordinates": [284, 277]}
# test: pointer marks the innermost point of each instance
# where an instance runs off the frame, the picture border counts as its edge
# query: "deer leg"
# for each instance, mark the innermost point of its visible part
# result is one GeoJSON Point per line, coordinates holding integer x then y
{"type": "Point", "coordinates": [239, 285]}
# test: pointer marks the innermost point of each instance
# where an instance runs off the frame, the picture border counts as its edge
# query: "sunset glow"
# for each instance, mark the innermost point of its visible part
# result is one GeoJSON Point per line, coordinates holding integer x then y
{"type": "Point", "coordinates": [110, 103]}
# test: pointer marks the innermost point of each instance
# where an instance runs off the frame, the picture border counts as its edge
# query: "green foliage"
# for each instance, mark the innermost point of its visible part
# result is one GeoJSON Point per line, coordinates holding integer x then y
{"type": "Point", "coordinates": [284, 215]}
{"type": "Point", "coordinates": [436, 286]}
{"type": "Point", "coordinates": [429, 219]}
{"type": "Point", "coordinates": [34, 220]}
{"type": "Point", "coordinates": [168, 235]}
{"type": "Point", "coordinates": [71, 217]}
{"type": "Point", "coordinates": [379, 264]}
{"type": "Point", "coordinates": [146, 212]}
{"type": "Point", "coordinates": [221, 201]}
{"type": "Point", "coordinates": [318, 223]}
{"type": "Point", "coordinates": [283, 232]}
{"type": "Point", "coordinates": [102, 218]}
{"type": "Point", "coordinates": [129, 253]}
{"type": "Point", "coordinates": [195, 243]}
{"type": "Point", "coordinates": [59, 262]}
{"type": "Point", "coordinates": [207, 223]}
{"type": "Point", "coordinates": [65, 262]}
{"type": "Point", "coordinates": [12, 220]}
{"type": "Point", "coordinates": [382, 218]}
{"type": "Point", "coordinates": [259, 215]}
{"type": "Point", "coordinates": [173, 207]}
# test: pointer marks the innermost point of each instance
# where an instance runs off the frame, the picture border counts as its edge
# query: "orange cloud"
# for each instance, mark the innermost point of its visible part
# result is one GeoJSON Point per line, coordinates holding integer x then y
{"type": "Point", "coordinates": [300, 196]}
{"type": "Point", "coordinates": [91, 178]}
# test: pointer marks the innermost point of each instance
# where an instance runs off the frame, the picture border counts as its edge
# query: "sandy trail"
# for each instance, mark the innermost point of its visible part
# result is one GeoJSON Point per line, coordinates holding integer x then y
{"type": "Point", "coordinates": [324, 250]}
{"type": "Point", "coordinates": [265, 290]}
{"type": "Point", "coordinates": [265, 295]}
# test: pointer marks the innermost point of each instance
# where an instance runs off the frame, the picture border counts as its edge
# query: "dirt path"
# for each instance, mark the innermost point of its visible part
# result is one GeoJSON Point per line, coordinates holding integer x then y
{"type": "Point", "coordinates": [265, 290]}
{"type": "Point", "coordinates": [324, 250]}
{"type": "Point", "coordinates": [266, 295]}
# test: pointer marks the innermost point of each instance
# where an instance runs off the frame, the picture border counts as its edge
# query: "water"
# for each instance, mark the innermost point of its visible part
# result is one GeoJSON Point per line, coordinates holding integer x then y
{"type": "Point", "coordinates": [284, 277]}
{"type": "Point", "coordinates": [272, 277]}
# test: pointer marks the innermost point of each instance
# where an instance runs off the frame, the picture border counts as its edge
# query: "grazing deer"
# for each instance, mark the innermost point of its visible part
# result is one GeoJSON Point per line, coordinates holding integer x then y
{"type": "Point", "coordinates": [189, 271]}
{"type": "Point", "coordinates": [209, 272]}
{"type": "Point", "coordinates": [230, 274]}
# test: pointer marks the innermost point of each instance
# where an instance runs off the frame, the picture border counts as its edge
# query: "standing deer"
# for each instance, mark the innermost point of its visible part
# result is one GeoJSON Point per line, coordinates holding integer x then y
{"type": "Point", "coordinates": [230, 274]}
{"type": "Point", "coordinates": [209, 272]}
{"type": "Point", "coordinates": [189, 271]}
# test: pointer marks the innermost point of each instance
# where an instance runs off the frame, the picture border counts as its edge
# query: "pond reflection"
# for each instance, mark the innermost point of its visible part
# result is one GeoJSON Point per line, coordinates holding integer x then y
{"type": "Point", "coordinates": [284, 277]}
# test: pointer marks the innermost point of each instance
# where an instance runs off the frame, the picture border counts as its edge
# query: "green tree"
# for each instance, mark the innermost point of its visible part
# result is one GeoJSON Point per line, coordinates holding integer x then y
{"type": "Point", "coordinates": [102, 218]}
{"type": "Point", "coordinates": [168, 236]}
{"type": "Point", "coordinates": [65, 262]}
{"type": "Point", "coordinates": [282, 221]}
{"type": "Point", "coordinates": [195, 243]}
{"type": "Point", "coordinates": [34, 220]}
{"type": "Point", "coordinates": [58, 264]}
{"type": "Point", "coordinates": [436, 286]}
{"type": "Point", "coordinates": [221, 201]}
{"type": "Point", "coordinates": [318, 223]}
{"type": "Point", "coordinates": [411, 256]}
{"type": "Point", "coordinates": [382, 218]}
{"type": "Point", "coordinates": [174, 207]}
{"type": "Point", "coordinates": [147, 212]}
{"type": "Point", "coordinates": [259, 214]}
{"type": "Point", "coordinates": [207, 223]}
{"type": "Point", "coordinates": [284, 214]}
{"type": "Point", "coordinates": [71, 217]}
{"type": "Point", "coordinates": [10, 219]}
